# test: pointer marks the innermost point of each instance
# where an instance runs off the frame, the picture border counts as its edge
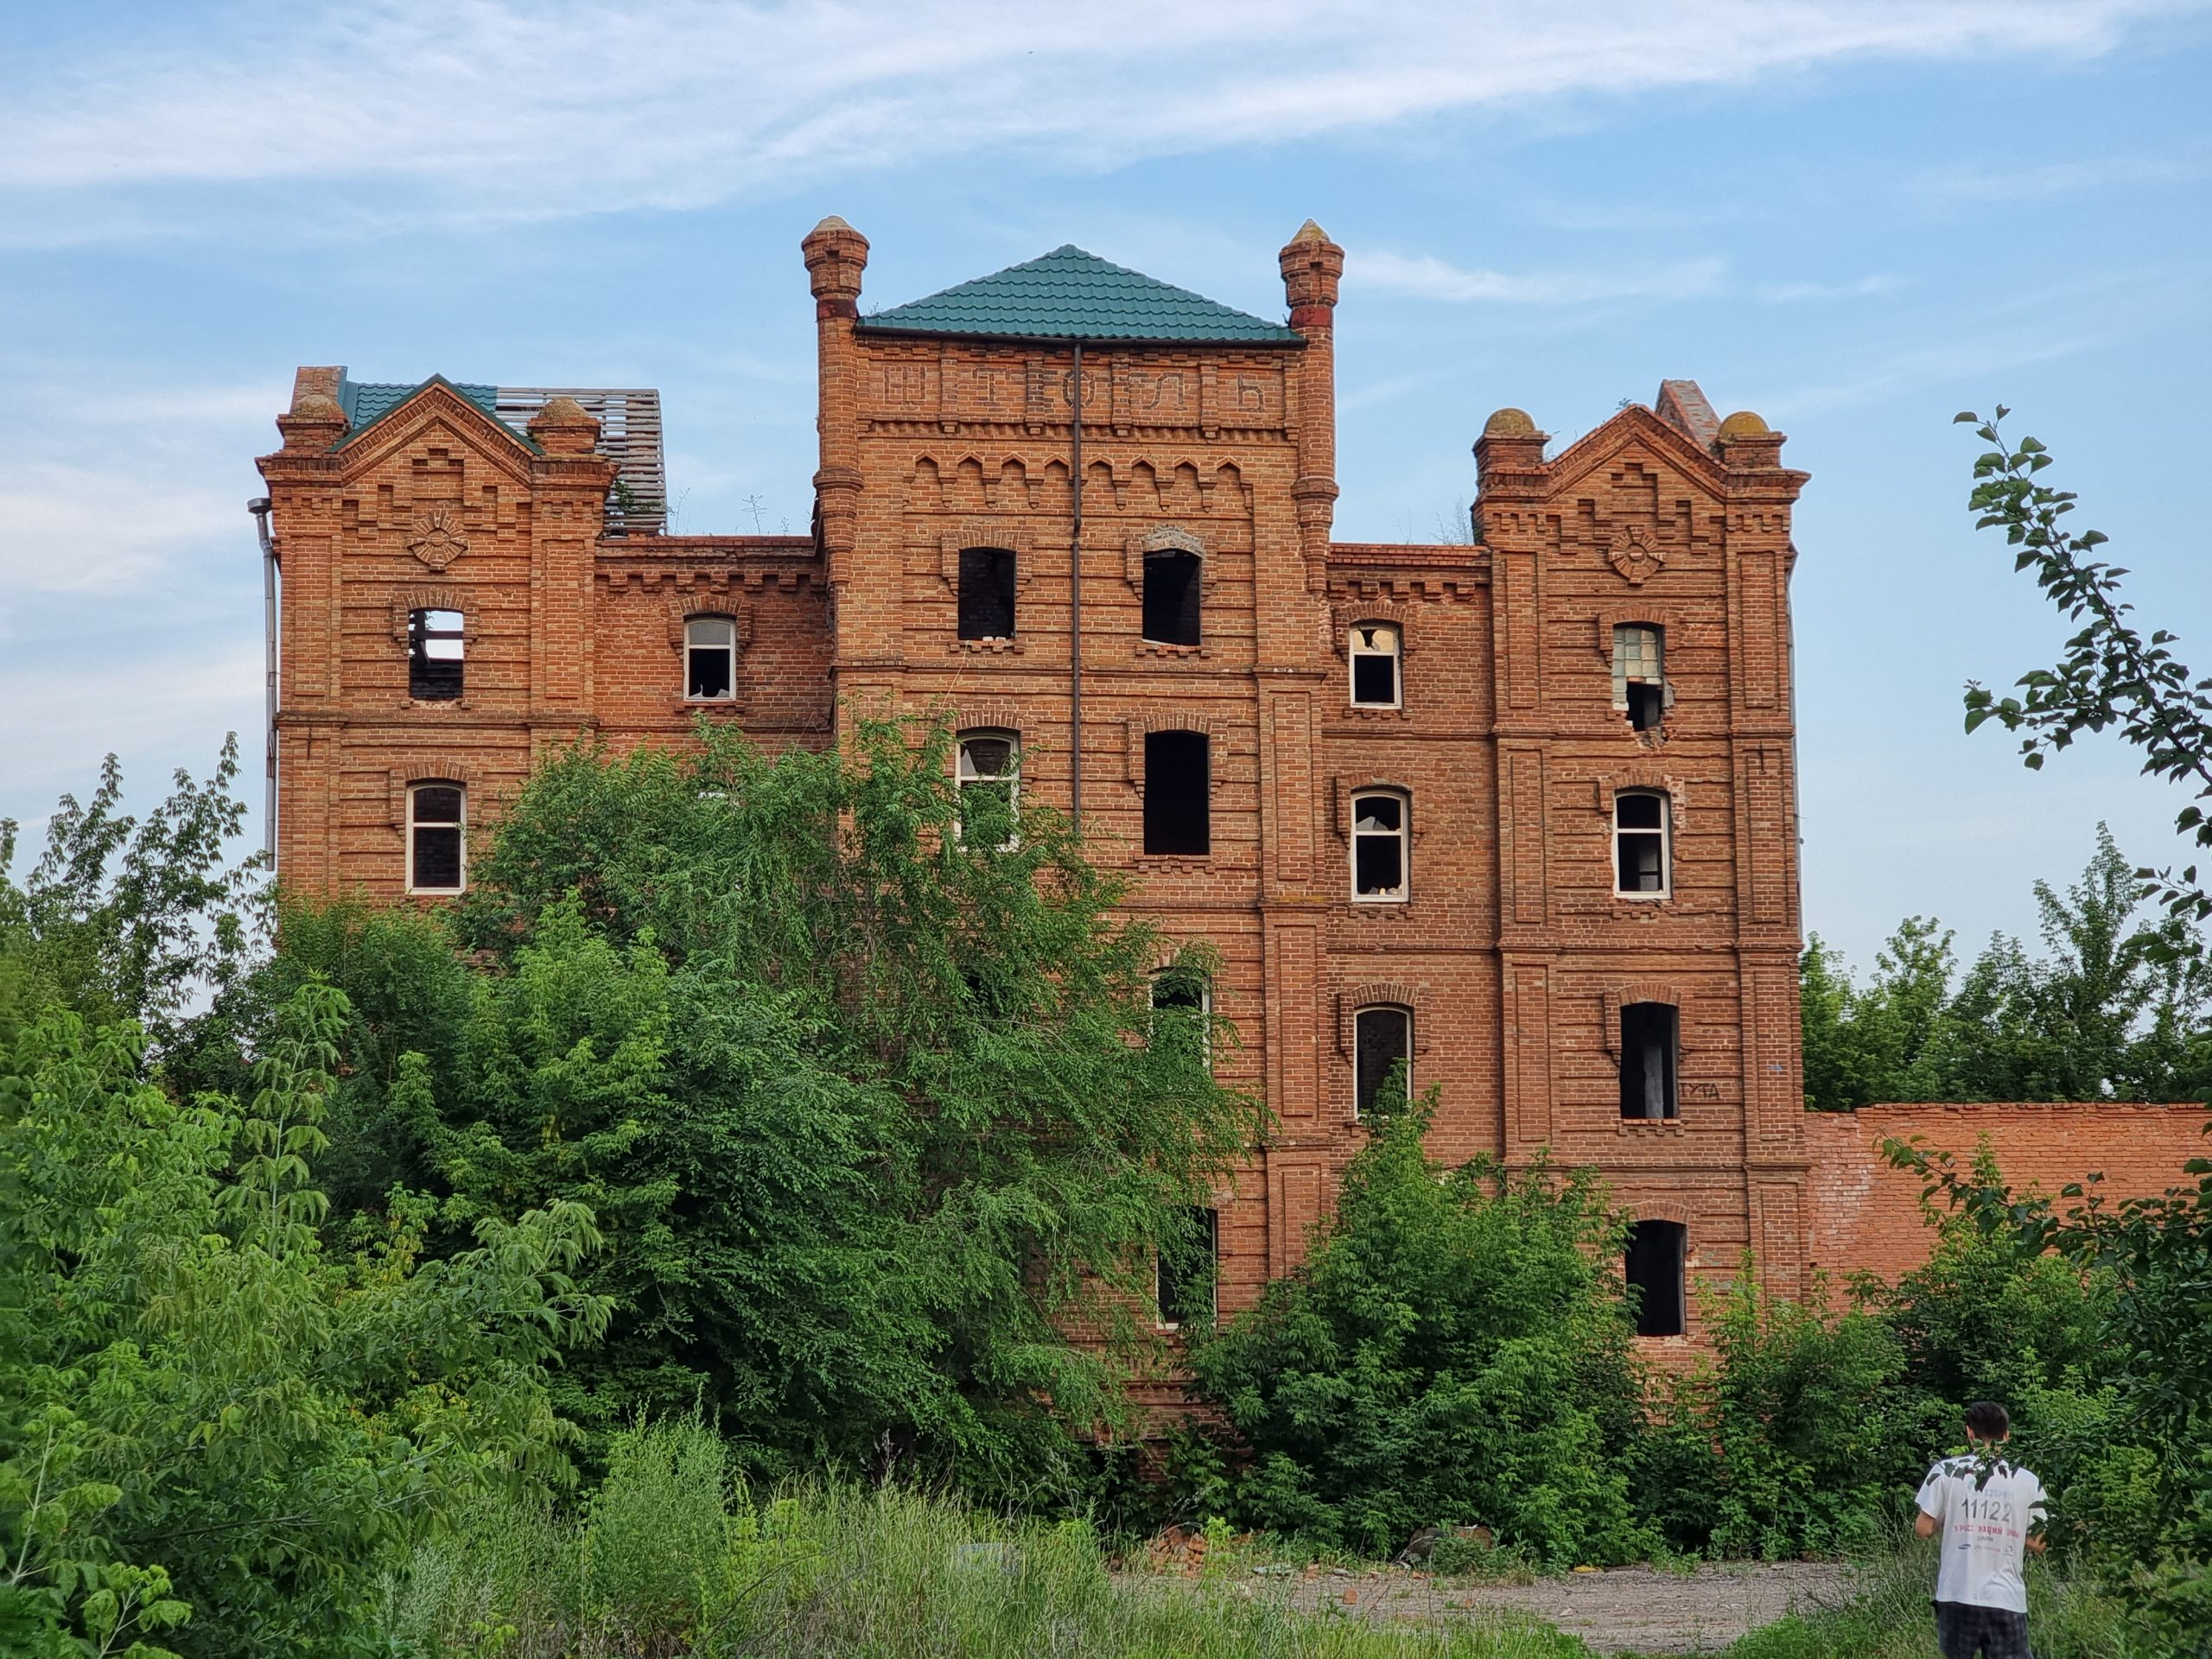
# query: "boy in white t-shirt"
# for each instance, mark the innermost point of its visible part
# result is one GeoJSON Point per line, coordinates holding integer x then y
{"type": "Point", "coordinates": [1988, 1511]}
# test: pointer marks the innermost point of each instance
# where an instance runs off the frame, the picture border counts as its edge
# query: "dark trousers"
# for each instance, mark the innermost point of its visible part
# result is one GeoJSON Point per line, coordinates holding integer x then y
{"type": "Point", "coordinates": [1966, 1631]}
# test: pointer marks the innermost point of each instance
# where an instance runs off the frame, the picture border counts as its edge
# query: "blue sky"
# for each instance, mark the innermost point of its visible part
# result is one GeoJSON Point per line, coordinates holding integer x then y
{"type": "Point", "coordinates": [1853, 216]}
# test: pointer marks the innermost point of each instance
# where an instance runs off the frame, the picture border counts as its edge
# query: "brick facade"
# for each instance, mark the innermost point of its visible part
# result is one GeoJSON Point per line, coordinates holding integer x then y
{"type": "Point", "coordinates": [1510, 946]}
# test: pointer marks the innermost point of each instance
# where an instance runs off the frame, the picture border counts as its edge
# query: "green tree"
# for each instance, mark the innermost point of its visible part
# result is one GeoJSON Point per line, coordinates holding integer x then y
{"type": "Point", "coordinates": [1455, 1349]}
{"type": "Point", "coordinates": [857, 1074]}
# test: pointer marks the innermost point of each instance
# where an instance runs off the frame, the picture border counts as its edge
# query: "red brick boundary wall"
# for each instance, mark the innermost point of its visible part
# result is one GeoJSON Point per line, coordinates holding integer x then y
{"type": "Point", "coordinates": [1865, 1214]}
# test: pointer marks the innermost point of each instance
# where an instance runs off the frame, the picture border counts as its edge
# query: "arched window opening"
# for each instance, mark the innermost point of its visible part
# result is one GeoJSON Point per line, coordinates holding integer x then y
{"type": "Point", "coordinates": [1640, 674]}
{"type": "Point", "coordinates": [1382, 1062]}
{"type": "Point", "coordinates": [437, 825]}
{"type": "Point", "coordinates": [1376, 648]}
{"type": "Point", "coordinates": [709, 658]}
{"type": "Point", "coordinates": [1652, 1035]}
{"type": "Point", "coordinates": [990, 775]}
{"type": "Point", "coordinates": [1177, 784]}
{"type": "Point", "coordinates": [987, 575]}
{"type": "Point", "coordinates": [1187, 1266]}
{"type": "Point", "coordinates": [434, 656]}
{"type": "Point", "coordinates": [1641, 853]}
{"type": "Point", "coordinates": [1171, 588]}
{"type": "Point", "coordinates": [1653, 1266]}
{"type": "Point", "coordinates": [1380, 863]}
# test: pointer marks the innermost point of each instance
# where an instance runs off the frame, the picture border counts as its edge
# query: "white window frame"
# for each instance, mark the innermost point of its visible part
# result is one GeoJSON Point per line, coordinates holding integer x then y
{"type": "Point", "coordinates": [1357, 650]}
{"type": "Point", "coordinates": [1404, 836]}
{"type": "Point", "coordinates": [964, 773]}
{"type": "Point", "coordinates": [460, 827]}
{"type": "Point", "coordinates": [1205, 1007]}
{"type": "Point", "coordinates": [1403, 1013]}
{"type": "Point", "coordinates": [1666, 834]}
{"type": "Point", "coordinates": [727, 646]}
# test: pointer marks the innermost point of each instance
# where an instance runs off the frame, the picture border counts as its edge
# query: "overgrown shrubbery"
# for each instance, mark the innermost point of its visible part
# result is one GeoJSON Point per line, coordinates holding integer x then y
{"type": "Point", "coordinates": [1455, 1351]}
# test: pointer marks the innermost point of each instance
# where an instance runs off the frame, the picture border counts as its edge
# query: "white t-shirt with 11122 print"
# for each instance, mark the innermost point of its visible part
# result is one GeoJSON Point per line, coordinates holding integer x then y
{"type": "Point", "coordinates": [1984, 1509]}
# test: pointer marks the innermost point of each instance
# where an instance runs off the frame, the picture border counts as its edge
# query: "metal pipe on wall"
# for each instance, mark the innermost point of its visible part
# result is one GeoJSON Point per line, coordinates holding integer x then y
{"type": "Point", "coordinates": [1075, 594]}
{"type": "Point", "coordinates": [260, 508]}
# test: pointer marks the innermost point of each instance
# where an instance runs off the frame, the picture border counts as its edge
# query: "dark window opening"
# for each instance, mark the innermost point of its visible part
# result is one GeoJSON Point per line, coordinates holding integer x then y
{"type": "Point", "coordinates": [1647, 705]}
{"type": "Point", "coordinates": [1378, 846]}
{"type": "Point", "coordinates": [1382, 1041]}
{"type": "Point", "coordinates": [1171, 597]}
{"type": "Point", "coordinates": [434, 812]}
{"type": "Point", "coordinates": [1650, 1035]}
{"type": "Point", "coordinates": [1654, 1268]}
{"type": "Point", "coordinates": [1185, 1287]}
{"type": "Point", "coordinates": [986, 593]}
{"type": "Point", "coordinates": [709, 657]}
{"type": "Point", "coordinates": [1640, 841]}
{"type": "Point", "coordinates": [434, 656]}
{"type": "Point", "coordinates": [1177, 783]}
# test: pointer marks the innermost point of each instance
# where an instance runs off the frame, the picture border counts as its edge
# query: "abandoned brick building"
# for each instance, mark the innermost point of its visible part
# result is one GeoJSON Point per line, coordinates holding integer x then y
{"type": "Point", "coordinates": [1520, 810]}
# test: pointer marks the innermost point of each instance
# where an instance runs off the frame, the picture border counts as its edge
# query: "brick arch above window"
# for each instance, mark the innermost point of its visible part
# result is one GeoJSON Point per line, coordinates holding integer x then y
{"type": "Point", "coordinates": [1009, 532]}
{"type": "Point", "coordinates": [1343, 786]}
{"type": "Point", "coordinates": [1683, 1214]}
{"type": "Point", "coordinates": [1167, 538]}
{"type": "Point", "coordinates": [1140, 726]}
{"type": "Point", "coordinates": [1380, 994]}
{"type": "Point", "coordinates": [431, 769]}
{"type": "Point", "coordinates": [1345, 614]}
{"type": "Point", "coordinates": [1671, 619]}
{"type": "Point", "coordinates": [984, 714]}
{"type": "Point", "coordinates": [1645, 778]}
{"type": "Point", "coordinates": [685, 603]}
{"type": "Point", "coordinates": [405, 601]}
{"type": "Point", "coordinates": [1645, 990]}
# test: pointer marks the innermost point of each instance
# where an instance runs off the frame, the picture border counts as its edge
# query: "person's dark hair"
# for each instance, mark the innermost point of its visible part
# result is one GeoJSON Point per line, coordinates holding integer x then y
{"type": "Point", "coordinates": [1987, 1420]}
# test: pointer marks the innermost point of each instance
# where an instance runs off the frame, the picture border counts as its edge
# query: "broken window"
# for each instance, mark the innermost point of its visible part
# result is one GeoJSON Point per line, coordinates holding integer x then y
{"type": "Point", "coordinates": [1375, 654]}
{"type": "Point", "coordinates": [1171, 596]}
{"type": "Point", "coordinates": [1379, 860]}
{"type": "Point", "coordinates": [1640, 674]}
{"type": "Point", "coordinates": [709, 657]}
{"type": "Point", "coordinates": [1182, 1011]}
{"type": "Point", "coordinates": [1654, 1260]}
{"type": "Point", "coordinates": [1640, 850]}
{"type": "Point", "coordinates": [436, 820]}
{"type": "Point", "coordinates": [1176, 783]}
{"type": "Point", "coordinates": [989, 769]}
{"type": "Point", "coordinates": [1185, 1288]}
{"type": "Point", "coordinates": [1381, 1059]}
{"type": "Point", "coordinates": [1650, 1038]}
{"type": "Point", "coordinates": [434, 656]}
{"type": "Point", "coordinates": [986, 593]}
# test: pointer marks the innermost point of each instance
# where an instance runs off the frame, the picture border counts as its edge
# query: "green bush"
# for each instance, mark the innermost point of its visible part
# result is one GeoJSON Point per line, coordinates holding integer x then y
{"type": "Point", "coordinates": [1454, 1350]}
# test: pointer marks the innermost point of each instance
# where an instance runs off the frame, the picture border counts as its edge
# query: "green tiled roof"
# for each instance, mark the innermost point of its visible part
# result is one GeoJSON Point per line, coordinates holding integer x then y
{"type": "Point", "coordinates": [1071, 295]}
{"type": "Point", "coordinates": [367, 402]}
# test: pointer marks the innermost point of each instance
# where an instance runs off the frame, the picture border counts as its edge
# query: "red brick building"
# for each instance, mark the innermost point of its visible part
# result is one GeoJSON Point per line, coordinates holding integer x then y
{"type": "Point", "coordinates": [1521, 809]}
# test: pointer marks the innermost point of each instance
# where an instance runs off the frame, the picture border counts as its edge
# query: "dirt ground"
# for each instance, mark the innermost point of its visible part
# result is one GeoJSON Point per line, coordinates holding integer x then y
{"type": "Point", "coordinates": [1624, 1610]}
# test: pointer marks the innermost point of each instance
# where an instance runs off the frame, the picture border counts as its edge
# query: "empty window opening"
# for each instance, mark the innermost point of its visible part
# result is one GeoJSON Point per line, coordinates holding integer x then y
{"type": "Point", "coordinates": [1375, 655]}
{"type": "Point", "coordinates": [1182, 1011]}
{"type": "Point", "coordinates": [1177, 782]}
{"type": "Point", "coordinates": [1654, 1268]}
{"type": "Point", "coordinates": [436, 823]}
{"type": "Point", "coordinates": [988, 775]}
{"type": "Point", "coordinates": [1640, 849]}
{"type": "Point", "coordinates": [1171, 597]}
{"type": "Point", "coordinates": [709, 657]}
{"type": "Point", "coordinates": [1650, 1039]}
{"type": "Point", "coordinates": [1640, 674]}
{"type": "Point", "coordinates": [1378, 847]}
{"type": "Point", "coordinates": [1383, 1046]}
{"type": "Point", "coordinates": [434, 656]}
{"type": "Point", "coordinates": [986, 593]}
{"type": "Point", "coordinates": [1184, 1289]}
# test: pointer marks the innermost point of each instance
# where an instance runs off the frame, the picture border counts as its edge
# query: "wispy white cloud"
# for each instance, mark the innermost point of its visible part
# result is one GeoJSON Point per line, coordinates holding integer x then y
{"type": "Point", "coordinates": [1858, 289]}
{"type": "Point", "coordinates": [496, 108]}
{"type": "Point", "coordinates": [1425, 276]}
{"type": "Point", "coordinates": [2048, 180]}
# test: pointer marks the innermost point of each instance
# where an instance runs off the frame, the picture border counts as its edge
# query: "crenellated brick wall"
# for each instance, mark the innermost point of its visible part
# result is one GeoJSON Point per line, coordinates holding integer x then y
{"type": "Point", "coordinates": [1866, 1215]}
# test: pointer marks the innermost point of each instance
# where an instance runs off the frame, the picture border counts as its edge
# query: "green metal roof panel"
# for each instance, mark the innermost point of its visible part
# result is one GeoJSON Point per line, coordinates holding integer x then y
{"type": "Point", "coordinates": [367, 402]}
{"type": "Point", "coordinates": [1071, 295]}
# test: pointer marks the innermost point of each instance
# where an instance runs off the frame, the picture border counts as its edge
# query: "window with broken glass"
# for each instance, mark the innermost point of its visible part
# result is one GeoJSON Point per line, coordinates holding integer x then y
{"type": "Point", "coordinates": [1640, 674]}
{"type": "Point", "coordinates": [988, 775]}
{"type": "Point", "coordinates": [1641, 853]}
{"type": "Point", "coordinates": [436, 828]}
{"type": "Point", "coordinates": [709, 658]}
{"type": "Point", "coordinates": [434, 648]}
{"type": "Point", "coordinates": [1376, 653]}
{"type": "Point", "coordinates": [1381, 1059]}
{"type": "Point", "coordinates": [1651, 1037]}
{"type": "Point", "coordinates": [1379, 845]}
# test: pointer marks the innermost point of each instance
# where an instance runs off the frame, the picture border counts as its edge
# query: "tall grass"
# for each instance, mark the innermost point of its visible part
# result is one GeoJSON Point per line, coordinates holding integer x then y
{"type": "Point", "coordinates": [673, 1558]}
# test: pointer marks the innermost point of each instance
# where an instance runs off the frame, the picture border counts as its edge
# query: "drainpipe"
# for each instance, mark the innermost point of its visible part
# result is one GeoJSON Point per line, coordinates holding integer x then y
{"type": "Point", "coordinates": [260, 508]}
{"type": "Point", "coordinates": [1075, 594]}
